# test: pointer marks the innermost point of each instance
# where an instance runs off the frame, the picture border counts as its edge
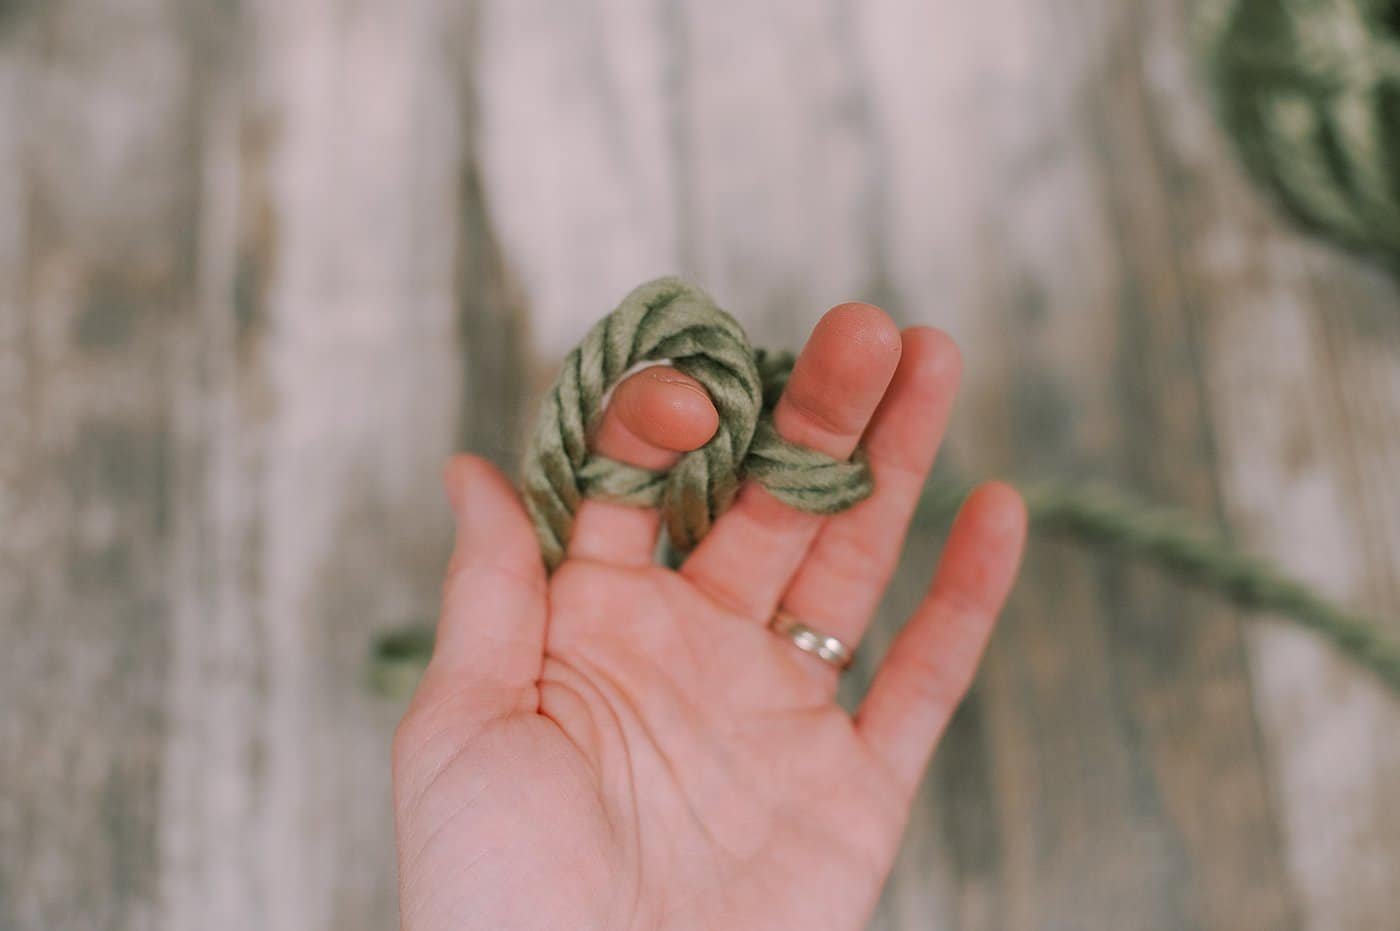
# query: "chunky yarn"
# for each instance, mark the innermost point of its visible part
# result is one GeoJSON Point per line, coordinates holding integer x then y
{"type": "Point", "coordinates": [1309, 91]}
{"type": "Point", "coordinates": [673, 321]}
{"type": "Point", "coordinates": [1169, 540]}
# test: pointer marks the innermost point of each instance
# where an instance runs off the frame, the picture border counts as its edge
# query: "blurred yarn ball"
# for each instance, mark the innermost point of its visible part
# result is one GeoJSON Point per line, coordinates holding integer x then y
{"type": "Point", "coordinates": [1309, 90]}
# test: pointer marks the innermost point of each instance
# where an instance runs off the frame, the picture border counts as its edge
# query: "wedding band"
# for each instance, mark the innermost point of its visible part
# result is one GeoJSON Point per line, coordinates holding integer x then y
{"type": "Point", "coordinates": [823, 646]}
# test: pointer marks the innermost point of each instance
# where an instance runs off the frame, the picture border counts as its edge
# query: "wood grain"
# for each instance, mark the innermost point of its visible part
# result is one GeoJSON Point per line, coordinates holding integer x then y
{"type": "Point", "coordinates": [263, 265]}
{"type": "Point", "coordinates": [1111, 722]}
{"type": "Point", "coordinates": [1299, 346]}
{"type": "Point", "coordinates": [97, 198]}
{"type": "Point", "coordinates": [332, 383]}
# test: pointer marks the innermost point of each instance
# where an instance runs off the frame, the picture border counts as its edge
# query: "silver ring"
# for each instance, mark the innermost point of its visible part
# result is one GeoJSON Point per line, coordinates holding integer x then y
{"type": "Point", "coordinates": [824, 647]}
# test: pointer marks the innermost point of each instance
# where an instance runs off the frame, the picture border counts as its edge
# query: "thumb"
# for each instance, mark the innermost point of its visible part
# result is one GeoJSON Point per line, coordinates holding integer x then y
{"type": "Point", "coordinates": [491, 631]}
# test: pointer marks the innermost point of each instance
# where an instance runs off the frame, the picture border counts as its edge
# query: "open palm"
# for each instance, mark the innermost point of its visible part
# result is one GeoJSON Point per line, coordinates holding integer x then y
{"type": "Point", "coordinates": [624, 746]}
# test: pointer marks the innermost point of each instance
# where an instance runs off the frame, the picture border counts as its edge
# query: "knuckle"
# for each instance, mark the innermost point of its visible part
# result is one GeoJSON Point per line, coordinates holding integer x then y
{"type": "Point", "coordinates": [820, 416]}
{"type": "Point", "coordinates": [942, 676]}
{"type": "Point", "coordinates": [931, 681]}
{"type": "Point", "coordinates": [849, 565]}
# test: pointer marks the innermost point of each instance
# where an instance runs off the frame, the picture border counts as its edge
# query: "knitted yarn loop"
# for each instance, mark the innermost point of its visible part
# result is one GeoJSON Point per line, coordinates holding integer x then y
{"type": "Point", "coordinates": [673, 321]}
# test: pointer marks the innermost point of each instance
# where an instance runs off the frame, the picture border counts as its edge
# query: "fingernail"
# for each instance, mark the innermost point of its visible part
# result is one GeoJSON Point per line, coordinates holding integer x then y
{"type": "Point", "coordinates": [669, 378]}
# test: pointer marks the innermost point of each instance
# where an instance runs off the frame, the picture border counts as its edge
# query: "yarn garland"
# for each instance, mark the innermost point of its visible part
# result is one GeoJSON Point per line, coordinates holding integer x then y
{"type": "Point", "coordinates": [673, 321]}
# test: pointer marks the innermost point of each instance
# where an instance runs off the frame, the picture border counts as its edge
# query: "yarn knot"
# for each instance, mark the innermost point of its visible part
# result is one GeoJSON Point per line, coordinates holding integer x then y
{"type": "Point", "coordinates": [676, 322]}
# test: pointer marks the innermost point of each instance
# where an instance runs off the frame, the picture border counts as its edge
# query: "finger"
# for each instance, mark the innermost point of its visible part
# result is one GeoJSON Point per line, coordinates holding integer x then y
{"type": "Point", "coordinates": [749, 556]}
{"type": "Point", "coordinates": [490, 635]}
{"type": "Point", "coordinates": [931, 664]}
{"type": "Point", "coordinates": [840, 583]}
{"type": "Point", "coordinates": [654, 416]}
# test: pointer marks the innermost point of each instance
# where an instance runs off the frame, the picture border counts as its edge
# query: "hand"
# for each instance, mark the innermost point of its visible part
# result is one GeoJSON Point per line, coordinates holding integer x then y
{"type": "Point", "coordinates": [622, 746]}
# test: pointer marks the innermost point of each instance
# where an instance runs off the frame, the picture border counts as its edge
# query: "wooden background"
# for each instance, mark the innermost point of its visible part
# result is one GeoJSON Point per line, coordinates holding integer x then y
{"type": "Point", "coordinates": [263, 264]}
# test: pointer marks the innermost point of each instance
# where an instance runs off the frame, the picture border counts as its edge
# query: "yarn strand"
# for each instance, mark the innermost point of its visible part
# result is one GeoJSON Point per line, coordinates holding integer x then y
{"type": "Point", "coordinates": [1111, 522]}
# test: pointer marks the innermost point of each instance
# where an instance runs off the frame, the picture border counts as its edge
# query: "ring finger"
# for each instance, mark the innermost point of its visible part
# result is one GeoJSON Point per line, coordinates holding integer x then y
{"type": "Point", "coordinates": [840, 583]}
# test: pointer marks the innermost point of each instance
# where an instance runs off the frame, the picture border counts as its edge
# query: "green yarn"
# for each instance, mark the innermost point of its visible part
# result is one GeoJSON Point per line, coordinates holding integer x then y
{"type": "Point", "coordinates": [398, 660]}
{"type": "Point", "coordinates": [1174, 542]}
{"type": "Point", "coordinates": [1309, 91]}
{"type": "Point", "coordinates": [671, 320]}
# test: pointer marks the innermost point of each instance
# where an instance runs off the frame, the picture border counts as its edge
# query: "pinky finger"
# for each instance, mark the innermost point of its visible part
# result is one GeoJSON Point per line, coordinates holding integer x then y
{"type": "Point", "coordinates": [932, 662]}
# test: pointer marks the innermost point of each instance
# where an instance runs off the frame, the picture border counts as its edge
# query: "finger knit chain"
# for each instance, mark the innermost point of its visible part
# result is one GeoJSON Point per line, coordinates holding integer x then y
{"type": "Point", "coordinates": [674, 321]}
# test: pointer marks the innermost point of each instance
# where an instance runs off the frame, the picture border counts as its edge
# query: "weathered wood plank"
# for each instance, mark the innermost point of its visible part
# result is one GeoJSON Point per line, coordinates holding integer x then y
{"type": "Point", "coordinates": [576, 156]}
{"type": "Point", "coordinates": [330, 393]}
{"type": "Point", "coordinates": [1127, 782]}
{"type": "Point", "coordinates": [776, 176]}
{"type": "Point", "coordinates": [95, 281]}
{"type": "Point", "coordinates": [1300, 346]}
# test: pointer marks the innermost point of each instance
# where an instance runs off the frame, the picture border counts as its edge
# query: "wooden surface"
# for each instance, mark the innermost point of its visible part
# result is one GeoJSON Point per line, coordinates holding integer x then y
{"type": "Point", "coordinates": [263, 264]}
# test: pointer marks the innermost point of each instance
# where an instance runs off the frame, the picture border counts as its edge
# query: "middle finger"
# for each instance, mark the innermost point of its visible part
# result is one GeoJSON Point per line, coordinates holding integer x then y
{"type": "Point", "coordinates": [747, 559]}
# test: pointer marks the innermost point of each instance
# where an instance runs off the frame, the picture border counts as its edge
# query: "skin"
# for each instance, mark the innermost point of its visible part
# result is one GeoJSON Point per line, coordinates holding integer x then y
{"type": "Point", "coordinates": [620, 746]}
